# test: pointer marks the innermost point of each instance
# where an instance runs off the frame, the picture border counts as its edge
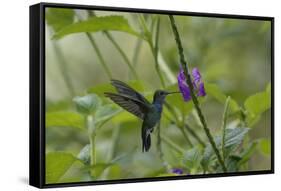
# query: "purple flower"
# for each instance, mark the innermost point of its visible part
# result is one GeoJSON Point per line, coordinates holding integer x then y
{"type": "Point", "coordinates": [198, 85]}
{"type": "Point", "coordinates": [177, 171]}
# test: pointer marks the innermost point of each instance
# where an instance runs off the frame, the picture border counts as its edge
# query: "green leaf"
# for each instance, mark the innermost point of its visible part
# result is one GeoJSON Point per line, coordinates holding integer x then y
{"type": "Point", "coordinates": [87, 104]}
{"type": "Point", "coordinates": [124, 117]}
{"type": "Point", "coordinates": [114, 172]}
{"type": "Point", "coordinates": [101, 88]}
{"type": "Point", "coordinates": [232, 163]}
{"type": "Point", "coordinates": [233, 138]}
{"type": "Point", "coordinates": [99, 168]}
{"type": "Point", "coordinates": [192, 158]}
{"type": "Point", "coordinates": [96, 24]}
{"type": "Point", "coordinates": [265, 147]}
{"type": "Point", "coordinates": [105, 113]}
{"type": "Point", "coordinates": [64, 119]}
{"type": "Point", "coordinates": [58, 18]}
{"type": "Point", "coordinates": [61, 105]}
{"type": "Point", "coordinates": [84, 154]}
{"type": "Point", "coordinates": [258, 103]}
{"type": "Point", "coordinates": [247, 153]}
{"type": "Point", "coordinates": [57, 164]}
{"type": "Point", "coordinates": [214, 91]}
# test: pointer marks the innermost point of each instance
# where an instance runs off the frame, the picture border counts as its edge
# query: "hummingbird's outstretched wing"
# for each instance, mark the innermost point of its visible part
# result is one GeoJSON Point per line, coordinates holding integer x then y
{"type": "Point", "coordinates": [123, 88]}
{"type": "Point", "coordinates": [131, 104]}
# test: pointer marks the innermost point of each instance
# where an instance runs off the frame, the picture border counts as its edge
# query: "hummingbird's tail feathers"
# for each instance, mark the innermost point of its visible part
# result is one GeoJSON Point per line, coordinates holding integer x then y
{"type": "Point", "coordinates": [146, 140]}
{"type": "Point", "coordinates": [146, 144]}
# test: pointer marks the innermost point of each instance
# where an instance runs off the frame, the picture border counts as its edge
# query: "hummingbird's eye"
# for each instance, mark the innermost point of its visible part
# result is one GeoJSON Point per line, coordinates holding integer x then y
{"type": "Point", "coordinates": [161, 93]}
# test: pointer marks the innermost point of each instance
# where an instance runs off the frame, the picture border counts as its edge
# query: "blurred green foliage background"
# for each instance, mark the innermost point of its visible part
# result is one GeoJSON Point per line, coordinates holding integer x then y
{"type": "Point", "coordinates": [234, 54]}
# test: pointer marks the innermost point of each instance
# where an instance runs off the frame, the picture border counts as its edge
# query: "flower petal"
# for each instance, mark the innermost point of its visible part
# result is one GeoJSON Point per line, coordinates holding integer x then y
{"type": "Point", "coordinates": [183, 87]}
{"type": "Point", "coordinates": [196, 75]}
{"type": "Point", "coordinates": [177, 171]}
{"type": "Point", "coordinates": [201, 89]}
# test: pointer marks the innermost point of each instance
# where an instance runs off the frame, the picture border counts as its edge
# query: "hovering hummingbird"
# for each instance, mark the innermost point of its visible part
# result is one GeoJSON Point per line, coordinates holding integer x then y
{"type": "Point", "coordinates": [135, 103]}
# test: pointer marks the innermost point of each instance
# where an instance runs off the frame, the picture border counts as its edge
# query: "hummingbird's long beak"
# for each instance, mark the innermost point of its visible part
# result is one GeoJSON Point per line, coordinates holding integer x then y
{"type": "Point", "coordinates": [173, 92]}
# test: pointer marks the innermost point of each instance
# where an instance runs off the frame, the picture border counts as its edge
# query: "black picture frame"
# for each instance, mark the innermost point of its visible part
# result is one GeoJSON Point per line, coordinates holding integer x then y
{"type": "Point", "coordinates": [37, 94]}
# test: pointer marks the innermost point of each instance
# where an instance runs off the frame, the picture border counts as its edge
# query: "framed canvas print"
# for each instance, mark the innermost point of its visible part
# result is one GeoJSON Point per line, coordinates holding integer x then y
{"type": "Point", "coordinates": [127, 95]}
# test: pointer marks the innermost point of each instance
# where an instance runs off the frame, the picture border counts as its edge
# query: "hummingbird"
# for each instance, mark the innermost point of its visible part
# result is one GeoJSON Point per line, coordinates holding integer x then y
{"type": "Point", "coordinates": [135, 103]}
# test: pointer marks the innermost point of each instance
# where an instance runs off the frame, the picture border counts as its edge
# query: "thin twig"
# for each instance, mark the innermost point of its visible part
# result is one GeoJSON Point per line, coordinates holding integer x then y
{"type": "Point", "coordinates": [193, 133]}
{"type": "Point", "coordinates": [194, 98]}
{"type": "Point", "coordinates": [177, 122]}
{"type": "Point", "coordinates": [122, 53]}
{"type": "Point", "coordinates": [160, 150]}
{"type": "Point", "coordinates": [98, 52]}
{"type": "Point", "coordinates": [154, 48]}
{"type": "Point", "coordinates": [172, 144]}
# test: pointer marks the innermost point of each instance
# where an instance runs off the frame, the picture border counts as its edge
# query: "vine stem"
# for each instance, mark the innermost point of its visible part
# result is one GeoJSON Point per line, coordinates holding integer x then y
{"type": "Point", "coordinates": [119, 49]}
{"type": "Point", "coordinates": [160, 150]}
{"type": "Point", "coordinates": [98, 52]}
{"type": "Point", "coordinates": [177, 122]}
{"type": "Point", "coordinates": [172, 144]}
{"type": "Point", "coordinates": [154, 48]}
{"type": "Point", "coordinates": [89, 123]}
{"type": "Point", "coordinates": [122, 53]}
{"type": "Point", "coordinates": [194, 98]}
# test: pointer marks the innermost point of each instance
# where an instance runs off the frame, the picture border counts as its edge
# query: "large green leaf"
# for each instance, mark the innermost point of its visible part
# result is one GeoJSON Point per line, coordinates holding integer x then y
{"type": "Point", "coordinates": [58, 18]}
{"type": "Point", "coordinates": [84, 154]}
{"type": "Point", "coordinates": [105, 113]}
{"type": "Point", "coordinates": [248, 152]}
{"type": "Point", "coordinates": [57, 164]}
{"type": "Point", "coordinates": [214, 91]}
{"type": "Point", "coordinates": [61, 105]}
{"type": "Point", "coordinates": [96, 24]}
{"type": "Point", "coordinates": [124, 117]}
{"type": "Point", "coordinates": [192, 158]}
{"type": "Point", "coordinates": [265, 146]}
{"type": "Point", "coordinates": [256, 104]}
{"type": "Point", "coordinates": [64, 119]}
{"type": "Point", "coordinates": [87, 104]}
{"type": "Point", "coordinates": [233, 138]}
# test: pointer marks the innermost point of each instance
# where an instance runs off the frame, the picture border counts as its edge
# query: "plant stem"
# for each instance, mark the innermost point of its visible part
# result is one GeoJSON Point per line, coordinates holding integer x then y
{"type": "Point", "coordinates": [194, 98]}
{"type": "Point", "coordinates": [193, 133]}
{"type": "Point", "coordinates": [154, 48]}
{"type": "Point", "coordinates": [116, 45]}
{"type": "Point", "coordinates": [224, 120]}
{"type": "Point", "coordinates": [102, 61]}
{"type": "Point", "coordinates": [89, 122]}
{"type": "Point", "coordinates": [177, 121]}
{"type": "Point", "coordinates": [98, 52]}
{"type": "Point", "coordinates": [115, 139]}
{"type": "Point", "coordinates": [122, 53]}
{"type": "Point", "coordinates": [155, 52]}
{"type": "Point", "coordinates": [159, 148]}
{"type": "Point", "coordinates": [171, 144]}
{"type": "Point", "coordinates": [137, 51]}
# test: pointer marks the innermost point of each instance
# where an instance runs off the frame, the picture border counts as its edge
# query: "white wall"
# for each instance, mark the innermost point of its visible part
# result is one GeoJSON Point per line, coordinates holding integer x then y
{"type": "Point", "coordinates": [14, 86]}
